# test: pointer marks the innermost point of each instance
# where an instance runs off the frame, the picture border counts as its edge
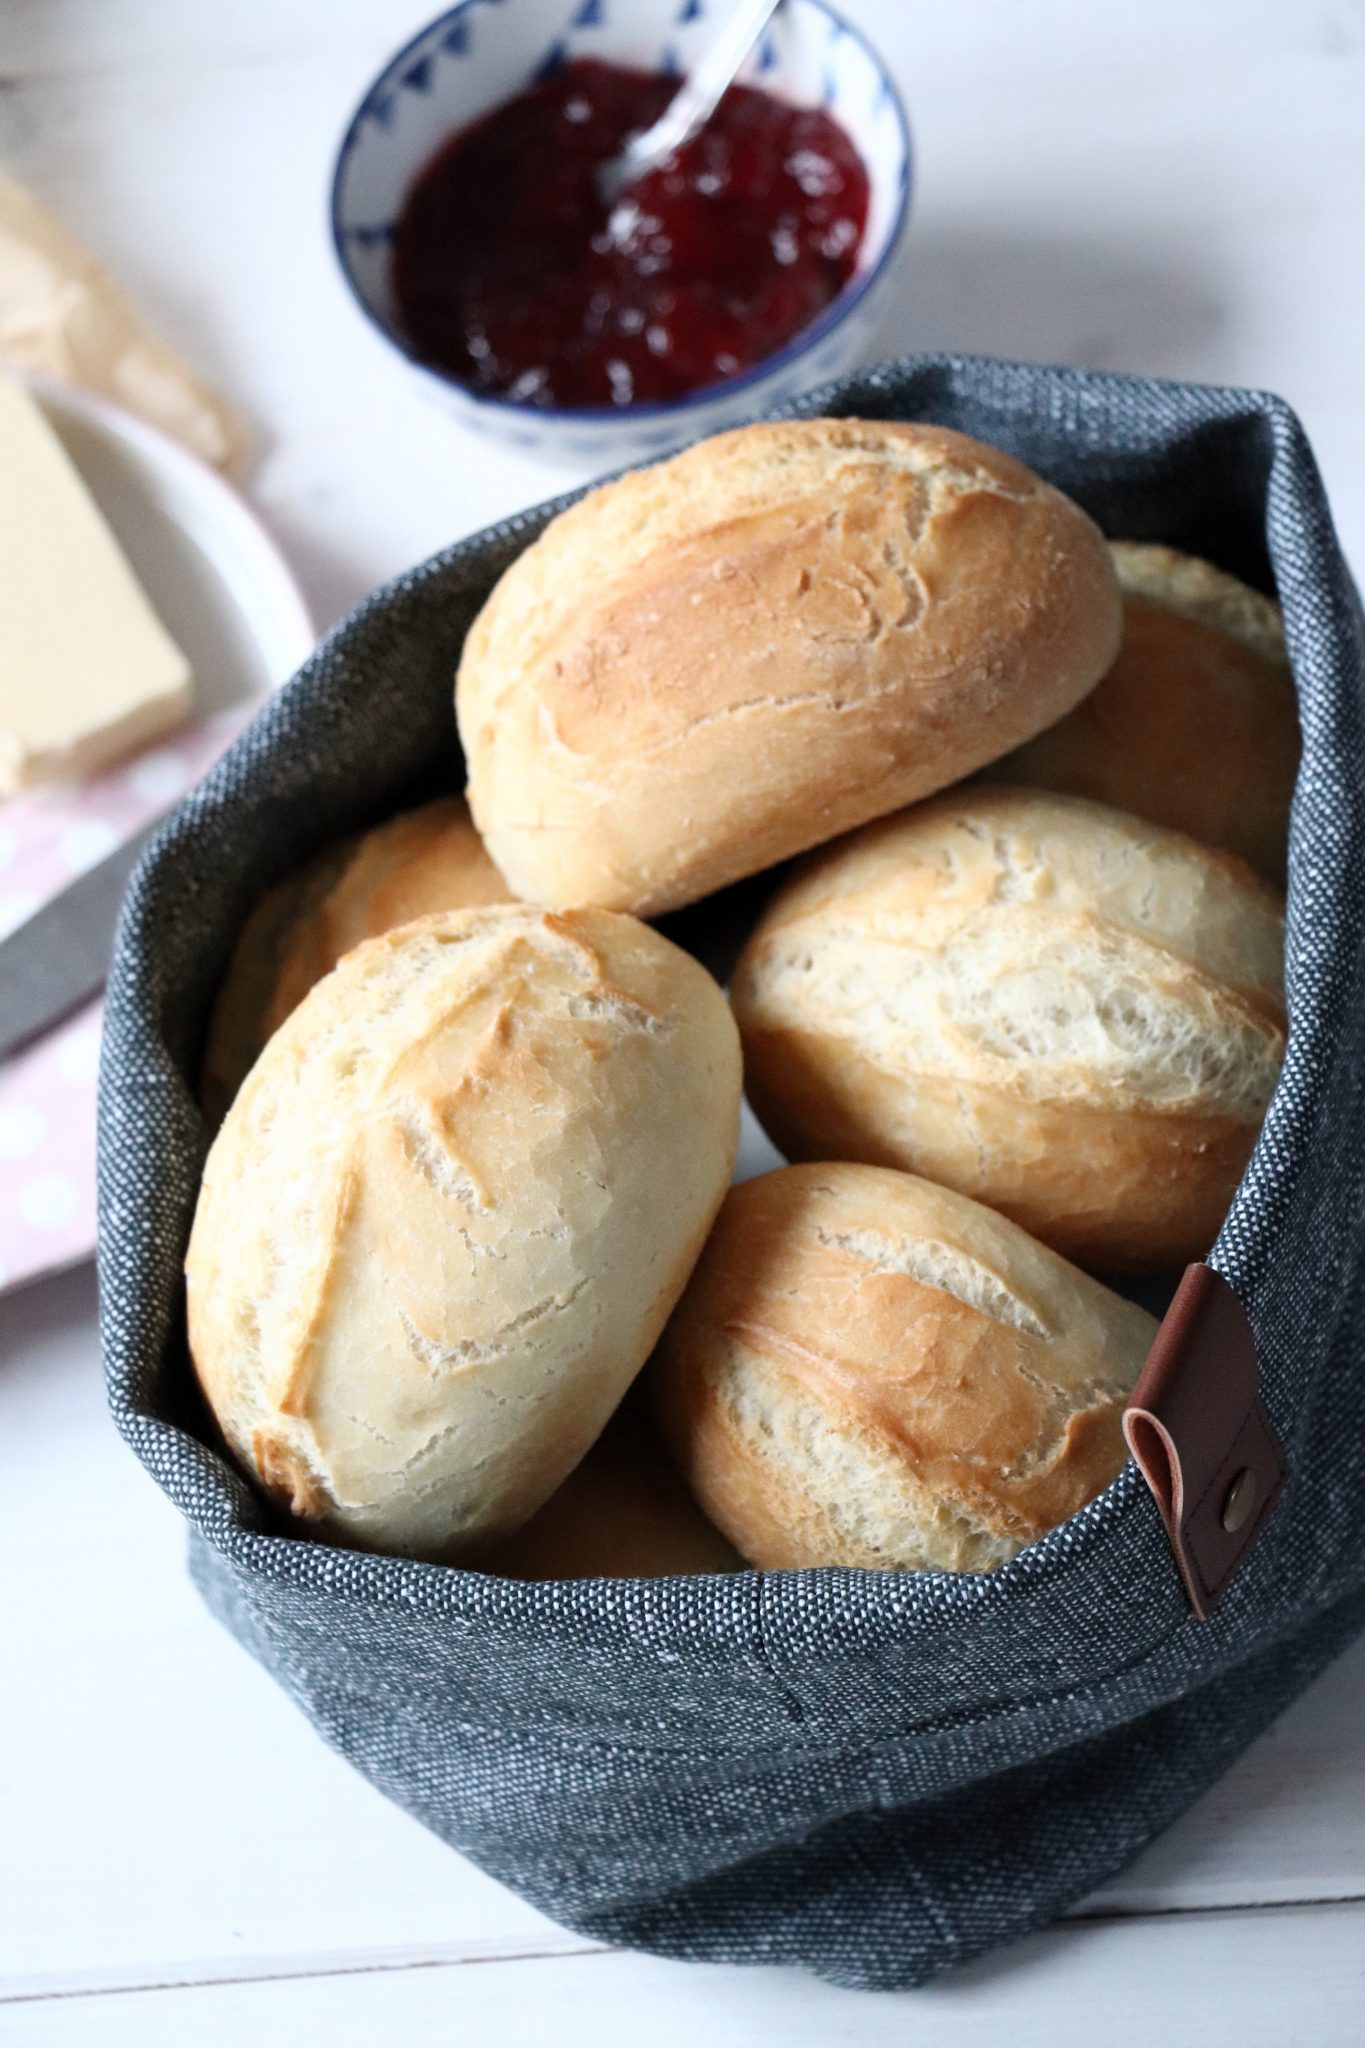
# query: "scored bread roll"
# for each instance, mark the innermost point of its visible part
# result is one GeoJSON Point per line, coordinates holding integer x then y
{"type": "Point", "coordinates": [449, 1211]}
{"type": "Point", "coordinates": [421, 861]}
{"type": "Point", "coordinates": [1196, 724]}
{"type": "Point", "coordinates": [1056, 1008]}
{"type": "Point", "coordinates": [866, 1369]}
{"type": "Point", "coordinates": [712, 664]}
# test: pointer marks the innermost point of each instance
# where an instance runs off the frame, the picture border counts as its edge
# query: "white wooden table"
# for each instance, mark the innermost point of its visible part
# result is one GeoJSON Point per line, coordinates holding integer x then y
{"type": "Point", "coordinates": [1174, 188]}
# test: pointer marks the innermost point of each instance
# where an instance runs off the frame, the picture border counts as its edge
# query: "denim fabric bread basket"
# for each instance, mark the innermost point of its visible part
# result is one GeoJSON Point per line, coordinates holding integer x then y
{"type": "Point", "coordinates": [872, 1775]}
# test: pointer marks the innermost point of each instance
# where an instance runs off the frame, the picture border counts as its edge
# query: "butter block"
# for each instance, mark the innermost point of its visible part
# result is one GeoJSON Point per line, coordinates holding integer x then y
{"type": "Point", "coordinates": [87, 670]}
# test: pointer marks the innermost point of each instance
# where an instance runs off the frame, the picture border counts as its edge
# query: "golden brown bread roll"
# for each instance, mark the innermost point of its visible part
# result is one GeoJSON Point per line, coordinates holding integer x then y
{"type": "Point", "coordinates": [1196, 724]}
{"type": "Point", "coordinates": [1056, 1008]}
{"type": "Point", "coordinates": [449, 1211]}
{"type": "Point", "coordinates": [709, 665]}
{"type": "Point", "coordinates": [866, 1369]}
{"type": "Point", "coordinates": [624, 1513]}
{"type": "Point", "coordinates": [421, 861]}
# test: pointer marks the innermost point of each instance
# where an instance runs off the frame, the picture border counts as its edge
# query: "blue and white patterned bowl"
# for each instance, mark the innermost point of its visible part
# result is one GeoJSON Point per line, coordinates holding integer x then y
{"type": "Point", "coordinates": [484, 52]}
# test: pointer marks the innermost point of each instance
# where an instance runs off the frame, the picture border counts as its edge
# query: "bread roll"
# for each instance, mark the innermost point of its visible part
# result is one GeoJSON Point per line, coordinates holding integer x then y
{"type": "Point", "coordinates": [707, 666]}
{"type": "Point", "coordinates": [868, 1370]}
{"type": "Point", "coordinates": [1196, 724]}
{"type": "Point", "coordinates": [421, 861]}
{"type": "Point", "coordinates": [622, 1514]}
{"type": "Point", "coordinates": [449, 1211]}
{"type": "Point", "coordinates": [1064, 1012]}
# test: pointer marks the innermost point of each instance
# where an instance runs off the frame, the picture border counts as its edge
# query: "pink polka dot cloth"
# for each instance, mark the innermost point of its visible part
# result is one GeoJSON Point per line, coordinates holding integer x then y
{"type": "Point", "coordinates": [47, 1090]}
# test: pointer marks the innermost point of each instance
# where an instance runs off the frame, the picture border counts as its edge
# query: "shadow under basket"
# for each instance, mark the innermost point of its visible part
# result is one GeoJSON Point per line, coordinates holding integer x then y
{"type": "Point", "coordinates": [873, 1775]}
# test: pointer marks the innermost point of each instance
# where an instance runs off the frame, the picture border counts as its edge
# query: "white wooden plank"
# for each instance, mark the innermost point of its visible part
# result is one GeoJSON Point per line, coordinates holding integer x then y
{"type": "Point", "coordinates": [1257, 1980]}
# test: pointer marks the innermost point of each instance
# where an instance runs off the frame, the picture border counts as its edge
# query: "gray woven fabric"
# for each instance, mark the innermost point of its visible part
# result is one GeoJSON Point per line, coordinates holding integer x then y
{"type": "Point", "coordinates": [872, 1775]}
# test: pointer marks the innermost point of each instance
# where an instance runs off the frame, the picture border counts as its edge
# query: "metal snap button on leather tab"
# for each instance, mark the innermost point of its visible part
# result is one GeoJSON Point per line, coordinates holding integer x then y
{"type": "Point", "coordinates": [1240, 1500]}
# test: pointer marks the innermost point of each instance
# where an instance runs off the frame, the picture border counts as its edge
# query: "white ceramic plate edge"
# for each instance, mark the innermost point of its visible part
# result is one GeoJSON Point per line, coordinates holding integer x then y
{"type": "Point", "coordinates": [214, 515]}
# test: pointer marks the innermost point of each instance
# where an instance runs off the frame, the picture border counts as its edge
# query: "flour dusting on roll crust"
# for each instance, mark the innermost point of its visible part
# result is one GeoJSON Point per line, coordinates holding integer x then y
{"type": "Point", "coordinates": [1053, 1007]}
{"type": "Point", "coordinates": [449, 1212]}
{"type": "Point", "coordinates": [715, 663]}
{"type": "Point", "coordinates": [868, 1370]}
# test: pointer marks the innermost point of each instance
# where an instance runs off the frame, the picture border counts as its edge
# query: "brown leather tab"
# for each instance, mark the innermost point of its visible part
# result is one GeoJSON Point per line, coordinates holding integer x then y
{"type": "Point", "coordinates": [1195, 1425]}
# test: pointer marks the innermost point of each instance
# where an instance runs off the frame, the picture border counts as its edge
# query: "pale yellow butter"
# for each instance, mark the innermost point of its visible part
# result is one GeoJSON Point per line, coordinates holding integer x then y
{"type": "Point", "coordinates": [87, 670]}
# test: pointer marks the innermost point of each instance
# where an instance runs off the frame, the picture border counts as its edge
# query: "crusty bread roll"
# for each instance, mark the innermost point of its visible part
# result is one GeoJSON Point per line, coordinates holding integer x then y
{"type": "Point", "coordinates": [421, 861]}
{"type": "Point", "coordinates": [709, 665]}
{"type": "Point", "coordinates": [449, 1211]}
{"type": "Point", "coordinates": [1058, 1009]}
{"type": "Point", "coordinates": [868, 1370]}
{"type": "Point", "coordinates": [1196, 724]}
{"type": "Point", "coordinates": [624, 1513]}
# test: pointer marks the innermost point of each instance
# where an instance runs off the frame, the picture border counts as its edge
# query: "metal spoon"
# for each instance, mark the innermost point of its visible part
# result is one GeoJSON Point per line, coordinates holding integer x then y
{"type": "Point", "coordinates": [692, 105]}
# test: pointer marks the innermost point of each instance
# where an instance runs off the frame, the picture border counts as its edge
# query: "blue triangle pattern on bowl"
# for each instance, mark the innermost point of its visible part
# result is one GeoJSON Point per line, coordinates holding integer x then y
{"type": "Point", "coordinates": [554, 60]}
{"type": "Point", "coordinates": [395, 121]}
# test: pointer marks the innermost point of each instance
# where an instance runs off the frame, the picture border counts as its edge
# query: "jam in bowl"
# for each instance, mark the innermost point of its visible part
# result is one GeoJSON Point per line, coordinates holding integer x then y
{"type": "Point", "coordinates": [511, 273]}
{"type": "Point", "coordinates": [469, 225]}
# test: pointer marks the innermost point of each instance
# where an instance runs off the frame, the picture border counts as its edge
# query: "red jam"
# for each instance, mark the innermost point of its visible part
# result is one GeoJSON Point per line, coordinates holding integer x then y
{"type": "Point", "coordinates": [510, 277]}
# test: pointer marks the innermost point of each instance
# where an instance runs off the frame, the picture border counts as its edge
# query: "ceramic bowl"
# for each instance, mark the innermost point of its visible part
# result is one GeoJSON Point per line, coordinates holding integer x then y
{"type": "Point", "coordinates": [484, 52]}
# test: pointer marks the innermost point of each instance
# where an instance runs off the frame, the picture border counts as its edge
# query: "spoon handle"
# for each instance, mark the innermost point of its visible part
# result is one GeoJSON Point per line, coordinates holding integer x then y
{"type": "Point", "coordinates": [699, 95]}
